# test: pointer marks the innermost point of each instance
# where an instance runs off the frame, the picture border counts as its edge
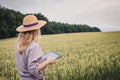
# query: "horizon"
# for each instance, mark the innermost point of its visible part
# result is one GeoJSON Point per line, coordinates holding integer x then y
{"type": "Point", "coordinates": [101, 14]}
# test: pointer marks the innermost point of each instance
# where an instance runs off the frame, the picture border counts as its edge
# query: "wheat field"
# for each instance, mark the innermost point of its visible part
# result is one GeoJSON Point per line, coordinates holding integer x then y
{"type": "Point", "coordinates": [85, 56]}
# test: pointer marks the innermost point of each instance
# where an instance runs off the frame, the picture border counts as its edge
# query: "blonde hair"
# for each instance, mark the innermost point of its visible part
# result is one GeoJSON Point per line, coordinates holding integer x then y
{"type": "Point", "coordinates": [25, 38]}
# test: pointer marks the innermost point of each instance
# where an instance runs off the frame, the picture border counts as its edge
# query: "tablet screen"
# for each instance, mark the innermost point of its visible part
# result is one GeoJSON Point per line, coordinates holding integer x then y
{"type": "Point", "coordinates": [52, 54]}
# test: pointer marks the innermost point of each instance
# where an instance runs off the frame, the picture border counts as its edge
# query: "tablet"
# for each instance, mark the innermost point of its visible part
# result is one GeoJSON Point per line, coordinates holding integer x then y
{"type": "Point", "coordinates": [51, 54]}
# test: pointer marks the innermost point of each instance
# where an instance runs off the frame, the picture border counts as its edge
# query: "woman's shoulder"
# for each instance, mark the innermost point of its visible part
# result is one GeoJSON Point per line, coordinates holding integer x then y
{"type": "Point", "coordinates": [33, 44]}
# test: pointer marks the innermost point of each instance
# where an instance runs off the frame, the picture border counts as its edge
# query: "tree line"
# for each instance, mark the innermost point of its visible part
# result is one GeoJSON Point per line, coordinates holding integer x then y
{"type": "Point", "coordinates": [10, 19]}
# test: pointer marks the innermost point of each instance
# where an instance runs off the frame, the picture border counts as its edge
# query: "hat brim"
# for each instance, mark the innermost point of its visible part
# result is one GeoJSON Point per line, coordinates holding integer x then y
{"type": "Point", "coordinates": [40, 24]}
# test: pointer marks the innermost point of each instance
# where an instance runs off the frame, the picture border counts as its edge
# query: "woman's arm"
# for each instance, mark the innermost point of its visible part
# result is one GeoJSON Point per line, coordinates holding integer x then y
{"type": "Point", "coordinates": [34, 68]}
{"type": "Point", "coordinates": [50, 60]}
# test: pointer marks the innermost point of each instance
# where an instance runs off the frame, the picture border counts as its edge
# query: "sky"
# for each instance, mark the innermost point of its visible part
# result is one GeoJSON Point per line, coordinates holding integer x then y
{"type": "Point", "coordinates": [104, 14]}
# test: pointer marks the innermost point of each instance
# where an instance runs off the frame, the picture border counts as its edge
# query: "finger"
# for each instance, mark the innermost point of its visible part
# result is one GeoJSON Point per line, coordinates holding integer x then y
{"type": "Point", "coordinates": [49, 57]}
{"type": "Point", "coordinates": [55, 58]}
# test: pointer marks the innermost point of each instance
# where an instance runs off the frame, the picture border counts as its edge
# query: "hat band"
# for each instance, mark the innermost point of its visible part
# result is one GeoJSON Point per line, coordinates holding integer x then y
{"type": "Point", "coordinates": [30, 25]}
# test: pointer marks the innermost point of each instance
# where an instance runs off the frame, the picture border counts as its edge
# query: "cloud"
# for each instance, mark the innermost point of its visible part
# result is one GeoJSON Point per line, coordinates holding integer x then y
{"type": "Point", "coordinates": [100, 13]}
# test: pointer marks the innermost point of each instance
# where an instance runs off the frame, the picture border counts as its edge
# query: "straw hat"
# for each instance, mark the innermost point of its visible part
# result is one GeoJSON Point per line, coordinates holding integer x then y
{"type": "Point", "coordinates": [30, 22]}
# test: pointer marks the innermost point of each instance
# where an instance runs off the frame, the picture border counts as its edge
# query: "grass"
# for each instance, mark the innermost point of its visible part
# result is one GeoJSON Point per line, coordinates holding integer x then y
{"type": "Point", "coordinates": [85, 56]}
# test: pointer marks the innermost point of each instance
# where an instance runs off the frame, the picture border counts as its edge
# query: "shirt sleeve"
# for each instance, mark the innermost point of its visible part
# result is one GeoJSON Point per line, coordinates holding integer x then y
{"type": "Point", "coordinates": [34, 59]}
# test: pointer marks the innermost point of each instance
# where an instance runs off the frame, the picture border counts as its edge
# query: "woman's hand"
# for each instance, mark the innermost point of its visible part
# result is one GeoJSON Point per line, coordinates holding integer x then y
{"type": "Point", "coordinates": [51, 60]}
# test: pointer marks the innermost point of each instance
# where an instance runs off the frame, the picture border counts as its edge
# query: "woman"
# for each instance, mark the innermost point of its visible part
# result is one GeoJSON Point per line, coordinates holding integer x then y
{"type": "Point", "coordinates": [30, 64]}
